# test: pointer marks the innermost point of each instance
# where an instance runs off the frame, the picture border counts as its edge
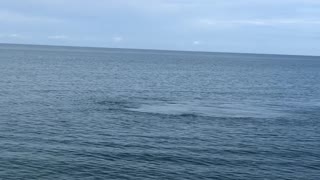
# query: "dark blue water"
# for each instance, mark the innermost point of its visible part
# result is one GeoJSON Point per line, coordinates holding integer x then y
{"type": "Point", "coordinates": [85, 113]}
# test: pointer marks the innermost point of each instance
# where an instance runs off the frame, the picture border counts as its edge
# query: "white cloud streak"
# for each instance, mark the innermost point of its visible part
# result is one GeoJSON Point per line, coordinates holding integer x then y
{"type": "Point", "coordinates": [255, 22]}
{"type": "Point", "coordinates": [196, 43]}
{"type": "Point", "coordinates": [58, 37]}
{"type": "Point", "coordinates": [12, 36]}
{"type": "Point", "coordinates": [117, 39]}
{"type": "Point", "coordinates": [15, 17]}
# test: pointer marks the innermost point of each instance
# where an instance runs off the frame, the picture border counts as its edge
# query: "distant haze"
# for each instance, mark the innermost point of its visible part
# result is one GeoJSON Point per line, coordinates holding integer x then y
{"type": "Point", "coordinates": [251, 26]}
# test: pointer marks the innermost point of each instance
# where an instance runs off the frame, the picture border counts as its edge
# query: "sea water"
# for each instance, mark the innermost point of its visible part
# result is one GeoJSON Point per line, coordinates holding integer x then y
{"type": "Point", "coordinates": [95, 113]}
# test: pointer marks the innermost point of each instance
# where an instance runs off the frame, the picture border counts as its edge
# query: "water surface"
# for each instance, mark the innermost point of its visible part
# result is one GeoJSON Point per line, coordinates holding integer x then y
{"type": "Point", "coordinates": [90, 113]}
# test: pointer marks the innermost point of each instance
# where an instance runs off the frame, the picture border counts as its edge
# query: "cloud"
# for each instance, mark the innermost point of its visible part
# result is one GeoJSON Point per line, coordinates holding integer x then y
{"type": "Point", "coordinates": [255, 22]}
{"type": "Point", "coordinates": [117, 39]}
{"type": "Point", "coordinates": [15, 17]}
{"type": "Point", "coordinates": [98, 7]}
{"type": "Point", "coordinates": [12, 36]}
{"type": "Point", "coordinates": [58, 37]}
{"type": "Point", "coordinates": [196, 43]}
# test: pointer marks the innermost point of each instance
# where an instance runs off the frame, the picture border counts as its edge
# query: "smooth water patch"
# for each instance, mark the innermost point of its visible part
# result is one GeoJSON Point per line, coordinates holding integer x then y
{"type": "Point", "coordinates": [210, 109]}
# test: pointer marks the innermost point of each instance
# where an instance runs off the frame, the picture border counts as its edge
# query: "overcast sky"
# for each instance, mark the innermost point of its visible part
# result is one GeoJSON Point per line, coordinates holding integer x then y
{"type": "Point", "coordinates": [256, 26]}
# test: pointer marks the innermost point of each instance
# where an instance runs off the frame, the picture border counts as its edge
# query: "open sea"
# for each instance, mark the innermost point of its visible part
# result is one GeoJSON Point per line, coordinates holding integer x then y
{"type": "Point", "coordinates": [95, 113]}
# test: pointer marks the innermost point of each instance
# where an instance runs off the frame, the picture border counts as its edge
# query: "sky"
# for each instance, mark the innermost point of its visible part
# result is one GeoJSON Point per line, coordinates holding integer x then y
{"type": "Point", "coordinates": [248, 26]}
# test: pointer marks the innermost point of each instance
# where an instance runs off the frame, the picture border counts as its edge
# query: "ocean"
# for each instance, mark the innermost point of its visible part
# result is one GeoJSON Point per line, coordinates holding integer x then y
{"type": "Point", "coordinates": [98, 113]}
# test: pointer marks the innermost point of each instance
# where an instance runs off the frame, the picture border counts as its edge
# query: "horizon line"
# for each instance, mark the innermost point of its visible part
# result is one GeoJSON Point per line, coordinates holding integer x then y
{"type": "Point", "coordinates": [172, 50]}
